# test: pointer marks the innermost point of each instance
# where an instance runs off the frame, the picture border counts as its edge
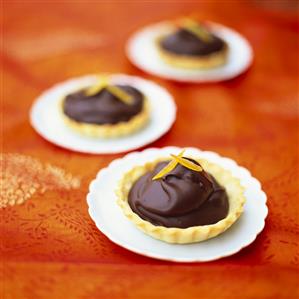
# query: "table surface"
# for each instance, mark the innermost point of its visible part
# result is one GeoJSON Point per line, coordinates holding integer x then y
{"type": "Point", "coordinates": [50, 248]}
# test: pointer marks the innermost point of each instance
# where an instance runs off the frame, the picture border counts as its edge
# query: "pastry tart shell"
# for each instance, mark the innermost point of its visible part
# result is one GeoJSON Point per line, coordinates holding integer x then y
{"type": "Point", "coordinates": [192, 234]}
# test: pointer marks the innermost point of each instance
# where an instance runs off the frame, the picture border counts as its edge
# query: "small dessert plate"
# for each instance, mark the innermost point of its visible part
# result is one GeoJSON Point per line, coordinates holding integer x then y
{"type": "Point", "coordinates": [142, 52]}
{"type": "Point", "coordinates": [46, 118]}
{"type": "Point", "coordinates": [110, 220]}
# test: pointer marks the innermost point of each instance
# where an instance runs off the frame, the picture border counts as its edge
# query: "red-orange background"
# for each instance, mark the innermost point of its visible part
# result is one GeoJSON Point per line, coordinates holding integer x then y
{"type": "Point", "coordinates": [58, 252]}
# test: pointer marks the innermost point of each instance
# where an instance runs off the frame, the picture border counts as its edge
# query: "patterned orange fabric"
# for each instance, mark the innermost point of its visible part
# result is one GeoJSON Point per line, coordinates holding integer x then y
{"type": "Point", "coordinates": [50, 248]}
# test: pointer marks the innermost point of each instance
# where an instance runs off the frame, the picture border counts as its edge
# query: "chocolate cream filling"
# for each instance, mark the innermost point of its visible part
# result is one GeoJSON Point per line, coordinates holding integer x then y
{"type": "Point", "coordinates": [103, 107]}
{"type": "Point", "coordinates": [184, 42]}
{"type": "Point", "coordinates": [182, 198]}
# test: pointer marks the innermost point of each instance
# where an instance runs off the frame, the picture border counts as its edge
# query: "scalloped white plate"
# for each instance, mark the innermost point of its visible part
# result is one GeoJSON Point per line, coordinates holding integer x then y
{"type": "Point", "coordinates": [110, 220]}
{"type": "Point", "coordinates": [47, 121]}
{"type": "Point", "coordinates": [142, 52]}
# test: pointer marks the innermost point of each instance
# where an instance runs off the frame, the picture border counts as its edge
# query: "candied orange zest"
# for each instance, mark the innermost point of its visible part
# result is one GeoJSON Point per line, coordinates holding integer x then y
{"type": "Point", "coordinates": [120, 94]}
{"type": "Point", "coordinates": [200, 31]}
{"type": "Point", "coordinates": [188, 164]}
{"type": "Point", "coordinates": [169, 167]}
{"type": "Point", "coordinates": [94, 89]}
{"type": "Point", "coordinates": [103, 82]}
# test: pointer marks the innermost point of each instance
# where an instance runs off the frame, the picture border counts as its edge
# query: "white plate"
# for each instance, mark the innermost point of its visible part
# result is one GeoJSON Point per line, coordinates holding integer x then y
{"type": "Point", "coordinates": [47, 121]}
{"type": "Point", "coordinates": [142, 52]}
{"type": "Point", "coordinates": [110, 220]}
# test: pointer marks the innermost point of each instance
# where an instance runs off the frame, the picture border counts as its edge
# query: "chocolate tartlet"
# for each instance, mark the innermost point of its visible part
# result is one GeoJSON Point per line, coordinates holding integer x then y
{"type": "Point", "coordinates": [185, 200]}
{"type": "Point", "coordinates": [107, 111]}
{"type": "Point", "coordinates": [192, 45]}
{"type": "Point", "coordinates": [182, 198]}
{"type": "Point", "coordinates": [184, 42]}
{"type": "Point", "coordinates": [103, 107]}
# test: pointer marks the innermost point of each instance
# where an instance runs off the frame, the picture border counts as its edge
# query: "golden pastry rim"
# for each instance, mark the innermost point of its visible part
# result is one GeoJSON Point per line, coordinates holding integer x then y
{"type": "Point", "coordinates": [209, 61]}
{"type": "Point", "coordinates": [133, 125]}
{"type": "Point", "coordinates": [184, 235]}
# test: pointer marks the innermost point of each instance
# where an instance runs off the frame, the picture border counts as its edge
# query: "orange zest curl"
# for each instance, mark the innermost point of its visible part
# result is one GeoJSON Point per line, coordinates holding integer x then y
{"type": "Point", "coordinates": [197, 29]}
{"type": "Point", "coordinates": [187, 163]}
{"type": "Point", "coordinates": [174, 162]}
{"type": "Point", "coordinates": [169, 167]}
{"type": "Point", "coordinates": [116, 91]}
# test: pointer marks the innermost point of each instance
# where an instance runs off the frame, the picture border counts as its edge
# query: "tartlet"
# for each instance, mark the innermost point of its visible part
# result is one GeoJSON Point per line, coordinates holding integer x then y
{"type": "Point", "coordinates": [192, 45]}
{"type": "Point", "coordinates": [106, 110]}
{"type": "Point", "coordinates": [177, 204]}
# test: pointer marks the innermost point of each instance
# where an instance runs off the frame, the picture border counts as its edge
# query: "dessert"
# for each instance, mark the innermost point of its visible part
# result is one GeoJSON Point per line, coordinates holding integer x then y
{"type": "Point", "coordinates": [106, 109]}
{"type": "Point", "coordinates": [183, 200]}
{"type": "Point", "coordinates": [192, 45]}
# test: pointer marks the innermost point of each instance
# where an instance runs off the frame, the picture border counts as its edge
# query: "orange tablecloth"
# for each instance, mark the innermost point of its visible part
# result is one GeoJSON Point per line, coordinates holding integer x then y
{"type": "Point", "coordinates": [50, 248]}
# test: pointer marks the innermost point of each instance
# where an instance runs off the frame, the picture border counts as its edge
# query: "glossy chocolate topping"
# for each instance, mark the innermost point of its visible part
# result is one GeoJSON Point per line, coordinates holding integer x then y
{"type": "Point", "coordinates": [184, 42]}
{"type": "Point", "coordinates": [182, 198]}
{"type": "Point", "coordinates": [103, 107]}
